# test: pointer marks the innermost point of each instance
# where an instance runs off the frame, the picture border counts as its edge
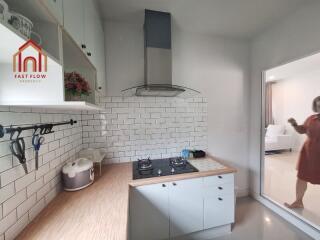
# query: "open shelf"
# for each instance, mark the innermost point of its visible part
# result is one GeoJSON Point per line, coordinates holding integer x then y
{"type": "Point", "coordinates": [66, 105]}
{"type": "Point", "coordinates": [44, 24]}
{"type": "Point", "coordinates": [74, 60]}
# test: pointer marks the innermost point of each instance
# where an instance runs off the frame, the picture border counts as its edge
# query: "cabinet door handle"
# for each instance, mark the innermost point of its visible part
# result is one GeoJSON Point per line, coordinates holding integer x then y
{"type": "Point", "coordinates": [99, 88]}
{"type": "Point", "coordinates": [220, 199]}
{"type": "Point", "coordinates": [163, 185]}
{"type": "Point", "coordinates": [220, 177]}
{"type": "Point", "coordinates": [89, 54]}
{"type": "Point", "coordinates": [83, 46]}
{"type": "Point", "coordinates": [220, 188]}
{"type": "Point", "coordinates": [174, 184]}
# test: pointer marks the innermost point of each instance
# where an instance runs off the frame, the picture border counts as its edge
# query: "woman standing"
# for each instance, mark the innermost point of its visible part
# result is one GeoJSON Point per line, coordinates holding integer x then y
{"type": "Point", "coordinates": [309, 161]}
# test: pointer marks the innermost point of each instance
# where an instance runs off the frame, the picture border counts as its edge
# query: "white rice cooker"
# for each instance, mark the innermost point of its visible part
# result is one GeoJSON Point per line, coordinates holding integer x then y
{"type": "Point", "coordinates": [77, 174]}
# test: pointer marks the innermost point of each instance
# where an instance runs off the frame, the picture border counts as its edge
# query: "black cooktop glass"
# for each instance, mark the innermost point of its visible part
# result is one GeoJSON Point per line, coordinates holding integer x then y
{"type": "Point", "coordinates": [163, 167]}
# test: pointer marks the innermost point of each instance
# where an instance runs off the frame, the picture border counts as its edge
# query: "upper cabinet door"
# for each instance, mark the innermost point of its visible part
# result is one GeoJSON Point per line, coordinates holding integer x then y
{"type": "Point", "coordinates": [90, 24]}
{"type": "Point", "coordinates": [73, 11]}
{"type": "Point", "coordinates": [99, 59]}
{"type": "Point", "coordinates": [55, 7]}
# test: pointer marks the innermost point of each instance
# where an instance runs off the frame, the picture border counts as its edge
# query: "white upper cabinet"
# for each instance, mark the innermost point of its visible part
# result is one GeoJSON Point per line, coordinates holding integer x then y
{"type": "Point", "coordinates": [90, 24]}
{"type": "Point", "coordinates": [83, 23]}
{"type": "Point", "coordinates": [100, 59]}
{"type": "Point", "coordinates": [73, 11]}
{"type": "Point", "coordinates": [55, 7]}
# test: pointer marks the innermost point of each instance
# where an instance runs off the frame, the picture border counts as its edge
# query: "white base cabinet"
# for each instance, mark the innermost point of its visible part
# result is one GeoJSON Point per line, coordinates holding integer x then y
{"type": "Point", "coordinates": [174, 209]}
{"type": "Point", "coordinates": [218, 211]}
{"type": "Point", "coordinates": [185, 206]}
{"type": "Point", "coordinates": [150, 212]}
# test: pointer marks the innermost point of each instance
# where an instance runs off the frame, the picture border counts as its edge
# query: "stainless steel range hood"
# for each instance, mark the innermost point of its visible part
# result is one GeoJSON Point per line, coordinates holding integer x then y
{"type": "Point", "coordinates": [158, 60]}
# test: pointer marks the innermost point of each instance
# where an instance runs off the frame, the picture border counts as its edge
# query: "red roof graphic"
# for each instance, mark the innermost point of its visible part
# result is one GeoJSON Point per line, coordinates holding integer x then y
{"type": "Point", "coordinates": [28, 43]}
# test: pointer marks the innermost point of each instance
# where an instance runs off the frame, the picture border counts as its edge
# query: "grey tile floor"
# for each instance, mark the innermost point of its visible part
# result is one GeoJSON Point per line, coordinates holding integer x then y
{"type": "Point", "coordinates": [256, 222]}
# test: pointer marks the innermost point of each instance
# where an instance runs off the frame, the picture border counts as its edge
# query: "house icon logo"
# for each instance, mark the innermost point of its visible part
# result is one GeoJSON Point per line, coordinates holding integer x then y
{"type": "Point", "coordinates": [30, 63]}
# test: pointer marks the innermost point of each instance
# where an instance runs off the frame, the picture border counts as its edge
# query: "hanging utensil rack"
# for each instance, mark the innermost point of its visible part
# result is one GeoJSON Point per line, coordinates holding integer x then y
{"type": "Point", "coordinates": [43, 128]}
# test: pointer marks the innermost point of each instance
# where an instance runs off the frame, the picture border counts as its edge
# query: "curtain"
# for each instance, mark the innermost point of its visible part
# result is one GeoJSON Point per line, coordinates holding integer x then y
{"type": "Point", "coordinates": [268, 104]}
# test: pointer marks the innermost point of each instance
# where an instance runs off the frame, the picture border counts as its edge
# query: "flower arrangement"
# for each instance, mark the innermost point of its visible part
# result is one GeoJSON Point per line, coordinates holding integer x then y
{"type": "Point", "coordinates": [76, 85]}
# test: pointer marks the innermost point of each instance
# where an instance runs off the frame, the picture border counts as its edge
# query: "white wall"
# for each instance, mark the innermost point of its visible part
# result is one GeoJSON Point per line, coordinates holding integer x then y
{"type": "Point", "coordinates": [124, 56]}
{"type": "Point", "coordinates": [216, 66]}
{"type": "Point", "coordinates": [298, 35]}
{"type": "Point", "coordinates": [293, 97]}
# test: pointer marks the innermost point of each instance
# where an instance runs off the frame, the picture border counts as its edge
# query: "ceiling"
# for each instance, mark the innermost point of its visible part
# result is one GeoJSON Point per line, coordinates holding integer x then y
{"type": "Point", "coordinates": [294, 69]}
{"type": "Point", "coordinates": [231, 18]}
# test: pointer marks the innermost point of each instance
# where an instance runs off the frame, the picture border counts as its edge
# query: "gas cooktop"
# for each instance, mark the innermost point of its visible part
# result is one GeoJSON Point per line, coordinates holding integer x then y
{"type": "Point", "coordinates": [147, 168]}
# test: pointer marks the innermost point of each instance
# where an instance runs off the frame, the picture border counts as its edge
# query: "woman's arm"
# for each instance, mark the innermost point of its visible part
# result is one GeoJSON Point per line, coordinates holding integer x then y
{"type": "Point", "coordinates": [299, 128]}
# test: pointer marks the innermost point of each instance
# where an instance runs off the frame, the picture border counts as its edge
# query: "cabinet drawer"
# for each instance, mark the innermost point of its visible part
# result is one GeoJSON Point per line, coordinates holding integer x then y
{"type": "Point", "coordinates": [219, 190]}
{"type": "Point", "coordinates": [218, 179]}
{"type": "Point", "coordinates": [193, 185]}
{"type": "Point", "coordinates": [218, 211]}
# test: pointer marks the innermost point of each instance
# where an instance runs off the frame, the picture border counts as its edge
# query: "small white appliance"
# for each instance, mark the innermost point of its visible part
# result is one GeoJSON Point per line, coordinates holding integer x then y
{"type": "Point", "coordinates": [77, 174]}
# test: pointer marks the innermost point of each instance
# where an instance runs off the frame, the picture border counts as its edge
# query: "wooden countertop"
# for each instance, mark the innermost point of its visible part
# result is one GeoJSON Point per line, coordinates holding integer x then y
{"type": "Point", "coordinates": [99, 211]}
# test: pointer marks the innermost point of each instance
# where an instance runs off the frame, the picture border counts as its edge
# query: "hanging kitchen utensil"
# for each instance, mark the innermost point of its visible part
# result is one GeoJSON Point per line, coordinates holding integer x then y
{"type": "Point", "coordinates": [18, 148]}
{"type": "Point", "coordinates": [37, 141]}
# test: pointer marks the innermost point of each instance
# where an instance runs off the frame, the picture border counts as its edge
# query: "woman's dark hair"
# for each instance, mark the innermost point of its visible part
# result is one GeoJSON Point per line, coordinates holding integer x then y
{"type": "Point", "coordinates": [314, 104]}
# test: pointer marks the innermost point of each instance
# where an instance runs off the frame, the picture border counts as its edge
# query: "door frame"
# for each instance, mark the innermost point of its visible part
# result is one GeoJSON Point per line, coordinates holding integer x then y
{"type": "Point", "coordinates": [288, 214]}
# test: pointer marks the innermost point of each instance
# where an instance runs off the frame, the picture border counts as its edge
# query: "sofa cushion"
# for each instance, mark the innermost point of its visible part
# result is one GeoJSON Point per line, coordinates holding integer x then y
{"type": "Point", "coordinates": [275, 130]}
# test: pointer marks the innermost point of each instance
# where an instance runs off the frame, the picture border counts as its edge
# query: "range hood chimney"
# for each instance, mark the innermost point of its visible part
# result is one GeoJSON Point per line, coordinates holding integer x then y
{"type": "Point", "coordinates": [158, 59]}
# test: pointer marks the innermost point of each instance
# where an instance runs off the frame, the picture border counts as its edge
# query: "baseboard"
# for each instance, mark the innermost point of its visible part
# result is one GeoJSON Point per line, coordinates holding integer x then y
{"type": "Point", "coordinates": [242, 192]}
{"type": "Point", "coordinates": [208, 234]}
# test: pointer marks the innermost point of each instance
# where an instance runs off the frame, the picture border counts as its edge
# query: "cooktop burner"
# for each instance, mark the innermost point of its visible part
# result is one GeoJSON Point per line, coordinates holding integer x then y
{"type": "Point", "coordinates": [147, 168]}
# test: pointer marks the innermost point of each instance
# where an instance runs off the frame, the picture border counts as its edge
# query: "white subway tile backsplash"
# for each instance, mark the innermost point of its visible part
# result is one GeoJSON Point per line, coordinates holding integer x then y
{"type": "Point", "coordinates": [26, 180]}
{"type": "Point", "coordinates": [26, 205]}
{"type": "Point", "coordinates": [43, 191]}
{"type": "Point", "coordinates": [11, 175]}
{"type": "Point", "coordinates": [36, 209]}
{"type": "Point", "coordinates": [15, 229]}
{"type": "Point", "coordinates": [5, 163]}
{"type": "Point", "coordinates": [146, 127]}
{"type": "Point", "coordinates": [14, 202]}
{"type": "Point", "coordinates": [4, 149]}
{"type": "Point", "coordinates": [6, 192]}
{"type": "Point", "coordinates": [8, 221]}
{"type": "Point", "coordinates": [42, 170]}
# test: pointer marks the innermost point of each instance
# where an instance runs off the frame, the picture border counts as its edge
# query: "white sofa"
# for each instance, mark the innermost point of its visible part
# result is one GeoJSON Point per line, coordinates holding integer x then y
{"type": "Point", "coordinates": [276, 138]}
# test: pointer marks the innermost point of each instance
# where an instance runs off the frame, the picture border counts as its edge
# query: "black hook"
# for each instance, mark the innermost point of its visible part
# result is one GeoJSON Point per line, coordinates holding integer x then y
{"type": "Point", "coordinates": [36, 128]}
{"type": "Point", "coordinates": [46, 129]}
{"type": "Point", "coordinates": [2, 131]}
{"type": "Point", "coordinates": [18, 130]}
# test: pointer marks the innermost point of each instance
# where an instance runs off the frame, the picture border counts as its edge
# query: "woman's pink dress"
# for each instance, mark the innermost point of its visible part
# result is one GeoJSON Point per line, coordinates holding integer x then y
{"type": "Point", "coordinates": [309, 162]}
